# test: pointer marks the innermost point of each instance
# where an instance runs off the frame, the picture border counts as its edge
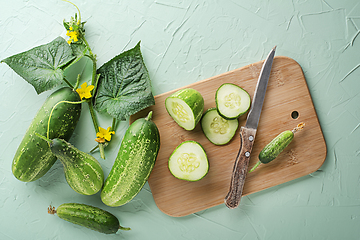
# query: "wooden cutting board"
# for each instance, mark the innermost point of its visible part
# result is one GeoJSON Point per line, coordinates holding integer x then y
{"type": "Point", "coordinates": [287, 96]}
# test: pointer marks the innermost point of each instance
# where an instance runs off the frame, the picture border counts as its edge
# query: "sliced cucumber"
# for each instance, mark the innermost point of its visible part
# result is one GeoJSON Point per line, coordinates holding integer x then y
{"type": "Point", "coordinates": [186, 107]}
{"type": "Point", "coordinates": [217, 129]}
{"type": "Point", "coordinates": [189, 161]}
{"type": "Point", "coordinates": [232, 101]}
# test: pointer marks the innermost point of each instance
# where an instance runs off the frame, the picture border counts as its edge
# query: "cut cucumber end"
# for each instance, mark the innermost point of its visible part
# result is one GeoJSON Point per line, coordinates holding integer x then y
{"type": "Point", "coordinates": [217, 129]}
{"type": "Point", "coordinates": [185, 107]}
{"type": "Point", "coordinates": [189, 162]}
{"type": "Point", "coordinates": [181, 113]}
{"type": "Point", "coordinates": [232, 101]}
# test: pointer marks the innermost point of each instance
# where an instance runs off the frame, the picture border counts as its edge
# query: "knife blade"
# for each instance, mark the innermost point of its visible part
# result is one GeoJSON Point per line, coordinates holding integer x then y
{"type": "Point", "coordinates": [247, 135]}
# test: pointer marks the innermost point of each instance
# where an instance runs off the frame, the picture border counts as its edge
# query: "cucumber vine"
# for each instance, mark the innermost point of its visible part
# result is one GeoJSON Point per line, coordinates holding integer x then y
{"type": "Point", "coordinates": [110, 91]}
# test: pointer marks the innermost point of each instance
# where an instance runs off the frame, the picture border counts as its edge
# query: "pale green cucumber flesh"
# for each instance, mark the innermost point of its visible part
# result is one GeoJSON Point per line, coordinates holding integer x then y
{"type": "Point", "coordinates": [82, 171]}
{"type": "Point", "coordinates": [217, 129]}
{"type": "Point", "coordinates": [232, 101]}
{"type": "Point", "coordinates": [189, 161]}
{"type": "Point", "coordinates": [186, 107]}
{"type": "Point", "coordinates": [133, 164]}
{"type": "Point", "coordinates": [88, 216]}
{"type": "Point", "coordinates": [276, 146]}
{"type": "Point", "coordinates": [33, 157]}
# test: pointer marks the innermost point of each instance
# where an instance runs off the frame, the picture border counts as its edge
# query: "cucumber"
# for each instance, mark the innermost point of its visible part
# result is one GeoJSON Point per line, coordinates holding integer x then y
{"type": "Point", "coordinates": [232, 101]}
{"type": "Point", "coordinates": [189, 161]}
{"type": "Point", "coordinates": [217, 129]}
{"type": "Point", "coordinates": [133, 164]}
{"type": "Point", "coordinates": [88, 216]}
{"type": "Point", "coordinates": [186, 107]}
{"type": "Point", "coordinates": [33, 157]}
{"type": "Point", "coordinates": [82, 171]}
{"type": "Point", "coordinates": [276, 146]}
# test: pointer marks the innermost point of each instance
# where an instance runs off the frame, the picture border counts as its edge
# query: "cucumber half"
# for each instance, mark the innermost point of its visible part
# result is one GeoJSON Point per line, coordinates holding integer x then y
{"type": "Point", "coordinates": [186, 107]}
{"type": "Point", "coordinates": [189, 162]}
{"type": "Point", "coordinates": [232, 101]}
{"type": "Point", "coordinates": [217, 129]}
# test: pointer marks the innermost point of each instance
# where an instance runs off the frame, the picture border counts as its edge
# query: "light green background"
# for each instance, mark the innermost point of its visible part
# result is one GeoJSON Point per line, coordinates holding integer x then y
{"type": "Point", "coordinates": [184, 41]}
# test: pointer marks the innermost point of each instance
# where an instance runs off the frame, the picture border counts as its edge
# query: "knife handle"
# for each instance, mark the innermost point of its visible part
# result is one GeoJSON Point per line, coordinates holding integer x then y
{"type": "Point", "coordinates": [247, 138]}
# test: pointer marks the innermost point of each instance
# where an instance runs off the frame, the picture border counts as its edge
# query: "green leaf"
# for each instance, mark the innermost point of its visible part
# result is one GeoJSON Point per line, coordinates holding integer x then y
{"type": "Point", "coordinates": [124, 85]}
{"type": "Point", "coordinates": [42, 66]}
{"type": "Point", "coordinates": [79, 50]}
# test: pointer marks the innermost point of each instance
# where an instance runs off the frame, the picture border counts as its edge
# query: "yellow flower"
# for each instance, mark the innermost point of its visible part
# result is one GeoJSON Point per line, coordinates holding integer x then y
{"type": "Point", "coordinates": [73, 35]}
{"type": "Point", "coordinates": [85, 91]}
{"type": "Point", "coordinates": [104, 134]}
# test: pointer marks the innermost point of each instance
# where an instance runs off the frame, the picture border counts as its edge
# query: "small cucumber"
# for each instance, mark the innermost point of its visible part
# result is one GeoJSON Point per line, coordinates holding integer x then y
{"type": "Point", "coordinates": [232, 101]}
{"type": "Point", "coordinates": [82, 171]}
{"type": "Point", "coordinates": [133, 164]}
{"type": "Point", "coordinates": [276, 146]}
{"type": "Point", "coordinates": [189, 161]}
{"type": "Point", "coordinates": [88, 216]}
{"type": "Point", "coordinates": [186, 107]}
{"type": "Point", "coordinates": [217, 129]}
{"type": "Point", "coordinates": [33, 157]}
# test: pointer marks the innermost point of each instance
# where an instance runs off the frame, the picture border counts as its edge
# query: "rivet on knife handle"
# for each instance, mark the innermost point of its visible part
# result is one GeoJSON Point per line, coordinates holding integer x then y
{"type": "Point", "coordinates": [247, 137]}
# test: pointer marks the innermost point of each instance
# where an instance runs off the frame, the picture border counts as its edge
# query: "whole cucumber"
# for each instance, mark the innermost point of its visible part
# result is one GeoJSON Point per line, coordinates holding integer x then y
{"type": "Point", "coordinates": [276, 146]}
{"type": "Point", "coordinates": [82, 171]}
{"type": "Point", "coordinates": [88, 216]}
{"type": "Point", "coordinates": [133, 164]}
{"type": "Point", "coordinates": [33, 157]}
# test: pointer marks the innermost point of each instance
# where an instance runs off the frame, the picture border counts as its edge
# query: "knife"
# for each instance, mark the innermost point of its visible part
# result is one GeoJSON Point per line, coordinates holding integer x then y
{"type": "Point", "coordinates": [247, 135]}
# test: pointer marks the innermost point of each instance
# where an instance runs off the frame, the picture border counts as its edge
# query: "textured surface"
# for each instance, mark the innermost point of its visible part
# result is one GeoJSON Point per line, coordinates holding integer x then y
{"type": "Point", "coordinates": [184, 42]}
{"type": "Point", "coordinates": [286, 92]}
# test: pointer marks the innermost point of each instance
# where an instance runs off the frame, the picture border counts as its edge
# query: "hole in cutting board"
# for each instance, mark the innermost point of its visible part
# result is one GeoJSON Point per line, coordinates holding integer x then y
{"type": "Point", "coordinates": [295, 114]}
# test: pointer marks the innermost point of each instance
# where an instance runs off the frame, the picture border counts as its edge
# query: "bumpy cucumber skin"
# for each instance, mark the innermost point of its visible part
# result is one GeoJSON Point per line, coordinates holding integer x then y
{"type": "Point", "coordinates": [89, 216]}
{"type": "Point", "coordinates": [33, 157]}
{"type": "Point", "coordinates": [192, 98]}
{"type": "Point", "coordinates": [276, 146]}
{"type": "Point", "coordinates": [82, 171]}
{"type": "Point", "coordinates": [133, 164]}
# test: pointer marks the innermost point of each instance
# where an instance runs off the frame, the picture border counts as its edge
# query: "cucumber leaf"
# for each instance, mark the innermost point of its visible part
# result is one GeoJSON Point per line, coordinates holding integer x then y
{"type": "Point", "coordinates": [124, 85]}
{"type": "Point", "coordinates": [42, 66]}
{"type": "Point", "coordinates": [79, 50]}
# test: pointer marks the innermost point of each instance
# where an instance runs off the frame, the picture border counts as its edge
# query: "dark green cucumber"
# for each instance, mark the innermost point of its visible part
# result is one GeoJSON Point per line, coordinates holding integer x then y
{"type": "Point", "coordinates": [276, 146]}
{"type": "Point", "coordinates": [82, 171]}
{"type": "Point", "coordinates": [88, 216]}
{"type": "Point", "coordinates": [33, 157]}
{"type": "Point", "coordinates": [133, 164]}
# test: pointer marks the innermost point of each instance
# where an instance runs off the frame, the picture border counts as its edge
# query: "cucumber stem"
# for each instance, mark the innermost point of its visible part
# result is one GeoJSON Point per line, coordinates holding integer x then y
{"type": "Point", "coordinates": [124, 228]}
{"type": "Point", "coordinates": [77, 82]}
{"type": "Point", "coordinates": [68, 83]}
{"type": "Point", "coordinates": [96, 126]}
{"type": "Point", "coordinates": [254, 167]}
{"type": "Point", "coordinates": [149, 116]}
{"type": "Point", "coordinates": [44, 138]}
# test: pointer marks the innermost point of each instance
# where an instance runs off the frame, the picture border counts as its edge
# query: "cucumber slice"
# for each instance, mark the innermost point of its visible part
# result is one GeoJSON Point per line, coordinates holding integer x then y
{"type": "Point", "coordinates": [189, 161]}
{"type": "Point", "coordinates": [232, 101]}
{"type": "Point", "coordinates": [186, 107]}
{"type": "Point", "coordinates": [217, 129]}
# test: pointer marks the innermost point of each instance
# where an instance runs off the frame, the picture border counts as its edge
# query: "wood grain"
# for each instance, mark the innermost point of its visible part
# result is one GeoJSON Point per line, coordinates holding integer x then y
{"type": "Point", "coordinates": [287, 92]}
